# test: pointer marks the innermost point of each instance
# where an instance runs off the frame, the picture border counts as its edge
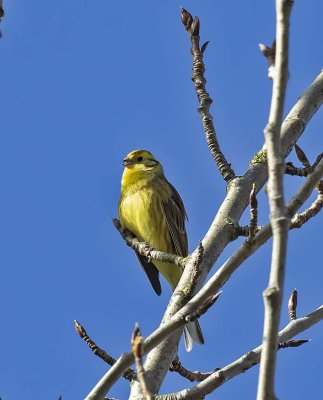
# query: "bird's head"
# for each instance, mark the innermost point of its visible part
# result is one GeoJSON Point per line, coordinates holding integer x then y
{"type": "Point", "coordinates": [142, 161]}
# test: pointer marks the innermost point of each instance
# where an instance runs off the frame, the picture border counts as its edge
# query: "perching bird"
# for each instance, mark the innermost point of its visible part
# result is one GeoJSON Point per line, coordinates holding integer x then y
{"type": "Point", "coordinates": [153, 211]}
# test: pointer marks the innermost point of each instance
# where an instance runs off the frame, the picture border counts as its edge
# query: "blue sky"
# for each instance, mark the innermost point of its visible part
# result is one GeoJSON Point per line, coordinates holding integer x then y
{"type": "Point", "coordinates": [82, 84]}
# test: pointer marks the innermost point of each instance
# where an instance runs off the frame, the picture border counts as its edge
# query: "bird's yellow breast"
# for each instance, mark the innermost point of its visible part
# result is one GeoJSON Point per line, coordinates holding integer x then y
{"type": "Point", "coordinates": [141, 213]}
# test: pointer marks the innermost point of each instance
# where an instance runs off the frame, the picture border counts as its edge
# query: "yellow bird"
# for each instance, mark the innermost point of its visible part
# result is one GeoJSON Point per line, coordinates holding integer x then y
{"type": "Point", "coordinates": [151, 208]}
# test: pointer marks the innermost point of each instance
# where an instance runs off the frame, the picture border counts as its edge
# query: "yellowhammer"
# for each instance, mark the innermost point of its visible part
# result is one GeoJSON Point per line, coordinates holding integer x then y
{"type": "Point", "coordinates": [153, 211]}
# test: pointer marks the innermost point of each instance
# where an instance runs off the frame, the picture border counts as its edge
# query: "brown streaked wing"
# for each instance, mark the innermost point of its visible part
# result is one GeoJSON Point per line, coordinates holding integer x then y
{"type": "Point", "coordinates": [175, 214]}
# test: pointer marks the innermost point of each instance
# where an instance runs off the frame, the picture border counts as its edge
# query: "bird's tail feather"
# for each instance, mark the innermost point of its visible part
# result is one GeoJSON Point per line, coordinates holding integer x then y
{"type": "Point", "coordinates": [192, 333]}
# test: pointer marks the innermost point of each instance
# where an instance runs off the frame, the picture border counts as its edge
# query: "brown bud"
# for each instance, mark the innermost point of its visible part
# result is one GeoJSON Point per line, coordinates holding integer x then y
{"type": "Point", "coordinates": [204, 46]}
{"type": "Point", "coordinates": [136, 332]}
{"type": "Point", "coordinates": [195, 27]}
{"type": "Point", "coordinates": [79, 329]}
{"type": "Point", "coordinates": [253, 198]}
{"type": "Point", "coordinates": [292, 305]}
{"type": "Point", "coordinates": [187, 18]}
{"type": "Point", "coordinates": [292, 343]}
{"type": "Point", "coordinates": [116, 223]}
{"type": "Point", "coordinates": [302, 157]}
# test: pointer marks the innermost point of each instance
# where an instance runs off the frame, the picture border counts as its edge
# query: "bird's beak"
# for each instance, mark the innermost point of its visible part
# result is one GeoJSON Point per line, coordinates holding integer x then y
{"type": "Point", "coordinates": [127, 162]}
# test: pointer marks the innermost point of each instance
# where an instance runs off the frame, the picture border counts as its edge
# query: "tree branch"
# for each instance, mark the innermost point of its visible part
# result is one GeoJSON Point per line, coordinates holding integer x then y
{"type": "Point", "coordinates": [247, 361]}
{"type": "Point", "coordinates": [193, 28]}
{"type": "Point", "coordinates": [129, 374]}
{"type": "Point", "coordinates": [279, 217]}
{"type": "Point", "coordinates": [196, 376]}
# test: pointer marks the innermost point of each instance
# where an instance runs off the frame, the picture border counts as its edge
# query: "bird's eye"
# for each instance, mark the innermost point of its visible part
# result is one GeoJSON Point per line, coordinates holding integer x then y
{"type": "Point", "coordinates": [139, 159]}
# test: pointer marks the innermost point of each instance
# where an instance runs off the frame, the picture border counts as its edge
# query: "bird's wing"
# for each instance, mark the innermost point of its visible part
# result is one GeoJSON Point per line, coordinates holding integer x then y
{"type": "Point", "coordinates": [175, 214]}
{"type": "Point", "coordinates": [151, 271]}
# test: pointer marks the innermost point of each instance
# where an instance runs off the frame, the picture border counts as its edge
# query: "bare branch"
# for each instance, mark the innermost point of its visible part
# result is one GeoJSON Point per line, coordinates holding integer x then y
{"type": "Point", "coordinates": [279, 218]}
{"type": "Point", "coordinates": [300, 219]}
{"type": "Point", "coordinates": [247, 361]}
{"type": "Point", "coordinates": [294, 171]}
{"type": "Point", "coordinates": [129, 374]}
{"type": "Point", "coordinates": [308, 168]}
{"type": "Point", "coordinates": [196, 376]}
{"type": "Point", "coordinates": [193, 28]}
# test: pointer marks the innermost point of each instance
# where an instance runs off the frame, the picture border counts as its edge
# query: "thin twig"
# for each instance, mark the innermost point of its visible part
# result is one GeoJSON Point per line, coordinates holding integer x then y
{"type": "Point", "coordinates": [195, 376]}
{"type": "Point", "coordinates": [129, 374]}
{"type": "Point", "coordinates": [308, 168]}
{"type": "Point", "coordinates": [300, 219]}
{"type": "Point", "coordinates": [295, 171]}
{"type": "Point", "coordinates": [192, 25]}
{"type": "Point", "coordinates": [279, 218]}
{"type": "Point", "coordinates": [138, 352]}
{"type": "Point", "coordinates": [247, 361]}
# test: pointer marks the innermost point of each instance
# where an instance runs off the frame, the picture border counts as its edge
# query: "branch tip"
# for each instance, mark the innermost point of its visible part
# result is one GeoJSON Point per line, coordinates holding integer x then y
{"type": "Point", "coordinates": [187, 18]}
{"type": "Point", "coordinates": [193, 28]}
{"type": "Point", "coordinates": [292, 343]}
{"type": "Point", "coordinates": [79, 329]}
{"type": "Point", "coordinates": [116, 223]}
{"type": "Point", "coordinates": [302, 157]}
